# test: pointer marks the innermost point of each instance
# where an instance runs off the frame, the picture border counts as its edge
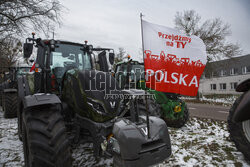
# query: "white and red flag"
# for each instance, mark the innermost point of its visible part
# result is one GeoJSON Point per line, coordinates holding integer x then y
{"type": "Point", "coordinates": [174, 62]}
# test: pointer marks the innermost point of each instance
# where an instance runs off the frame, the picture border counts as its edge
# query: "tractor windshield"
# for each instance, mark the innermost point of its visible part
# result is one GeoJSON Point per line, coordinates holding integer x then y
{"type": "Point", "coordinates": [68, 56]}
{"type": "Point", "coordinates": [136, 70]}
{"type": "Point", "coordinates": [133, 76]}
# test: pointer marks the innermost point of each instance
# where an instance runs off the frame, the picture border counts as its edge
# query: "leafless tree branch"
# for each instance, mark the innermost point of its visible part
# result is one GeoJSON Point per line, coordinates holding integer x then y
{"type": "Point", "coordinates": [212, 32]}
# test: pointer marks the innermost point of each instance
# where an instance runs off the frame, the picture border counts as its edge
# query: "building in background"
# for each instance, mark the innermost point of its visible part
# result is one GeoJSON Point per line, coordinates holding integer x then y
{"type": "Point", "coordinates": [224, 76]}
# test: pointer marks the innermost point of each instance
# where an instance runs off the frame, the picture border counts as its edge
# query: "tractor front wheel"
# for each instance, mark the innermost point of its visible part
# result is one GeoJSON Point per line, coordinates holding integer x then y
{"type": "Point", "coordinates": [45, 141]}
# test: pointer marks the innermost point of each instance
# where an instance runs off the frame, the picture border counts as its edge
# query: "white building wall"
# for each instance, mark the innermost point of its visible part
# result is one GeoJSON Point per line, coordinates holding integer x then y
{"type": "Point", "coordinates": [205, 84]}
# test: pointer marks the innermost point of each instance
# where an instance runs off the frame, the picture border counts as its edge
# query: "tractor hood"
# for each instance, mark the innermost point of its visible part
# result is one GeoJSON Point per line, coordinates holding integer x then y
{"type": "Point", "coordinates": [92, 94]}
{"type": "Point", "coordinates": [100, 92]}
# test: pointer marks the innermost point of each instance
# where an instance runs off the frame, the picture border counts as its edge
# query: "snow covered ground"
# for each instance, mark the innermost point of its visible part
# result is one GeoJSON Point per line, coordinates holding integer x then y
{"type": "Point", "coordinates": [201, 142]}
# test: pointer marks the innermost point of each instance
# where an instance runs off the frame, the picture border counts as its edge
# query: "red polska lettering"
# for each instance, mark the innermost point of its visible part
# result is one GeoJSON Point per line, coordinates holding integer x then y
{"type": "Point", "coordinates": [173, 78]}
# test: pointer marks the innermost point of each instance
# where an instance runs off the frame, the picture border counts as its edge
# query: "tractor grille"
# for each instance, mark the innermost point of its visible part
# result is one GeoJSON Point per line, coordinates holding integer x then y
{"type": "Point", "coordinates": [152, 146]}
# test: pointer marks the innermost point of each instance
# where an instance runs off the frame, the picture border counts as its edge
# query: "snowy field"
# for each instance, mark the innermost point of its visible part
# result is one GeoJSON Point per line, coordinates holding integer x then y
{"type": "Point", "coordinates": [199, 143]}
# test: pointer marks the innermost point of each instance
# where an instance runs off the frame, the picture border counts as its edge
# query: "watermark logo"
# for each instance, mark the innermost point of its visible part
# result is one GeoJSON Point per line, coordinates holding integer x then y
{"type": "Point", "coordinates": [113, 87]}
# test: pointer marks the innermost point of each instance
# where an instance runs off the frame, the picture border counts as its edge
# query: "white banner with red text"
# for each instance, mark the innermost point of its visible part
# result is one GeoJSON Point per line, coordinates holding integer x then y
{"type": "Point", "coordinates": [174, 62]}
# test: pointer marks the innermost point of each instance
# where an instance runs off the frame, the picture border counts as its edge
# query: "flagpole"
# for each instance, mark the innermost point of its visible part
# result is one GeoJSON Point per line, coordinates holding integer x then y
{"type": "Point", "coordinates": [142, 36]}
{"type": "Point", "coordinates": [145, 78]}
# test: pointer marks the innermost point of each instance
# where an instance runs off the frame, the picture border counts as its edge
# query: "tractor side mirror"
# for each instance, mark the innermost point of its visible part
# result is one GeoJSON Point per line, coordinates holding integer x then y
{"type": "Point", "coordinates": [103, 62]}
{"type": "Point", "coordinates": [52, 45]}
{"type": "Point", "coordinates": [90, 48]}
{"type": "Point", "coordinates": [27, 49]}
{"type": "Point", "coordinates": [111, 58]}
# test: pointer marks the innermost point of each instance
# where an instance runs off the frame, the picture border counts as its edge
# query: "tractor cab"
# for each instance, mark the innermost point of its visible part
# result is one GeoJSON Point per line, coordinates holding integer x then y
{"type": "Point", "coordinates": [55, 58]}
{"type": "Point", "coordinates": [130, 74]}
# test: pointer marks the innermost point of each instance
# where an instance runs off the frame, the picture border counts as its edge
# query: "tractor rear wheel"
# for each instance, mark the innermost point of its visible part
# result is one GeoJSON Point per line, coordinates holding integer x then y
{"type": "Point", "coordinates": [10, 105]}
{"type": "Point", "coordinates": [45, 141]}
{"type": "Point", "coordinates": [239, 131]}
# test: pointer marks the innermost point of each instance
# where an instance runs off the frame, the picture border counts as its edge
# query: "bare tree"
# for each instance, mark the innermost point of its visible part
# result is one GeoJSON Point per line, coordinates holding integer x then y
{"type": "Point", "coordinates": [20, 16]}
{"type": "Point", "coordinates": [10, 50]}
{"type": "Point", "coordinates": [212, 32]}
{"type": "Point", "coordinates": [120, 55]}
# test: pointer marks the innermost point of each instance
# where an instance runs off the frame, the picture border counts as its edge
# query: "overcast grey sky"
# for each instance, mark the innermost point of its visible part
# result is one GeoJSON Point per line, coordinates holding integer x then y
{"type": "Point", "coordinates": [116, 23]}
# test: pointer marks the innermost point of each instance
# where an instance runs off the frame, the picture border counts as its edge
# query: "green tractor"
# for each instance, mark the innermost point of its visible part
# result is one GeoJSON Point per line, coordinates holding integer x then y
{"type": "Point", "coordinates": [8, 89]}
{"type": "Point", "coordinates": [130, 74]}
{"type": "Point", "coordinates": [66, 101]}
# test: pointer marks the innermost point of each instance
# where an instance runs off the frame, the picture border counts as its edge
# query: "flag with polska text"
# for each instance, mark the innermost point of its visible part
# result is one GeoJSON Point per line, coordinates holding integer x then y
{"type": "Point", "coordinates": [174, 61]}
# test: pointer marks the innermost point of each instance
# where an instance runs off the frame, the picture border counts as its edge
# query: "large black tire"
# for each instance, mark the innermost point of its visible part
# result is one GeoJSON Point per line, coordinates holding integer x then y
{"type": "Point", "coordinates": [10, 105]}
{"type": "Point", "coordinates": [238, 132]}
{"type": "Point", "coordinates": [45, 141]}
{"type": "Point", "coordinates": [153, 107]}
{"type": "Point", "coordinates": [1, 98]}
{"type": "Point", "coordinates": [178, 123]}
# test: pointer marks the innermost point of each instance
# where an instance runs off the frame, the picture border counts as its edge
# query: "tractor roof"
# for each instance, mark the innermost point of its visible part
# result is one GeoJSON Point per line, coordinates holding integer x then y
{"type": "Point", "coordinates": [65, 42]}
{"type": "Point", "coordinates": [132, 62]}
{"type": "Point", "coordinates": [80, 44]}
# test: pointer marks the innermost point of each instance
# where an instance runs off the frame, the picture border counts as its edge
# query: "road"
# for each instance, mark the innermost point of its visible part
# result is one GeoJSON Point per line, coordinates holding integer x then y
{"type": "Point", "coordinates": [208, 111]}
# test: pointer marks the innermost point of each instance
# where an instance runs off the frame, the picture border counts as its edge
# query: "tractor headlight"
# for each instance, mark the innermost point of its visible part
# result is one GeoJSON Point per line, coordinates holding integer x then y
{"type": "Point", "coordinates": [96, 106]}
{"type": "Point", "coordinates": [177, 108]}
{"type": "Point", "coordinates": [115, 145]}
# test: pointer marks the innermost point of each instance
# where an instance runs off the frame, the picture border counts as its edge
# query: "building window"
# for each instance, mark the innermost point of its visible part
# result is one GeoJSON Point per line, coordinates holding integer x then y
{"type": "Point", "coordinates": [248, 69]}
{"type": "Point", "coordinates": [213, 74]}
{"type": "Point", "coordinates": [222, 73]}
{"type": "Point", "coordinates": [223, 86]}
{"type": "Point", "coordinates": [233, 85]}
{"type": "Point", "coordinates": [244, 70]}
{"type": "Point", "coordinates": [213, 86]}
{"type": "Point", "coordinates": [233, 71]}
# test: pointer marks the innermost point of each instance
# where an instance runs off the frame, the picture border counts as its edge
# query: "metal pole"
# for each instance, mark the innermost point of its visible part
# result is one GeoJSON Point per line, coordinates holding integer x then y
{"type": "Point", "coordinates": [145, 79]}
